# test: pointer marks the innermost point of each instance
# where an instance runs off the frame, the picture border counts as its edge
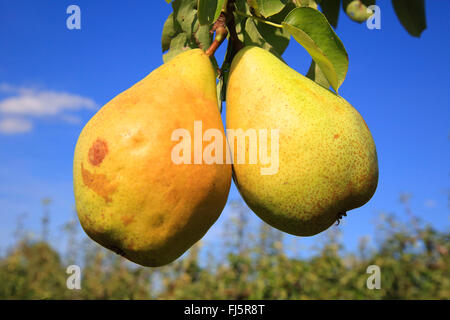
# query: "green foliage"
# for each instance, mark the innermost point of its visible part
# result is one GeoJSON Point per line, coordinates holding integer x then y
{"type": "Point", "coordinates": [330, 9]}
{"type": "Point", "coordinates": [269, 24]}
{"type": "Point", "coordinates": [182, 30]}
{"type": "Point", "coordinates": [256, 33]}
{"type": "Point", "coordinates": [267, 8]}
{"type": "Point", "coordinates": [411, 14]}
{"type": "Point", "coordinates": [209, 10]}
{"type": "Point", "coordinates": [311, 29]}
{"type": "Point", "coordinates": [245, 263]}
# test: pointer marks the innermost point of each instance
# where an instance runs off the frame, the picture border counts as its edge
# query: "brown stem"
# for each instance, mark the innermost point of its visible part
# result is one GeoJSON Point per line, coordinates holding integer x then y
{"type": "Point", "coordinates": [231, 24]}
{"type": "Point", "coordinates": [224, 24]}
{"type": "Point", "coordinates": [221, 34]}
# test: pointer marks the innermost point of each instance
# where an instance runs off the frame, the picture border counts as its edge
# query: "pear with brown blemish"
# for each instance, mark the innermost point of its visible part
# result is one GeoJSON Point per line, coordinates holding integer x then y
{"type": "Point", "coordinates": [327, 157]}
{"type": "Point", "coordinates": [131, 197]}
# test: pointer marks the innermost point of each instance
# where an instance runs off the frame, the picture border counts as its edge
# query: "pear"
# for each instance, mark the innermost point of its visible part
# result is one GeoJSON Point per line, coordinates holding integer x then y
{"type": "Point", "coordinates": [131, 196]}
{"type": "Point", "coordinates": [327, 161]}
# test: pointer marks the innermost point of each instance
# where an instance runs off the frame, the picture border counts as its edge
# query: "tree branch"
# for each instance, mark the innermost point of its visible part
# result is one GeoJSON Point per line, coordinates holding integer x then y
{"type": "Point", "coordinates": [231, 25]}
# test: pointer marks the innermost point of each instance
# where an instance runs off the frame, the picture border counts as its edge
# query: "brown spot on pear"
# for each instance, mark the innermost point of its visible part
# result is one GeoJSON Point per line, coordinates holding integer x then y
{"type": "Point", "coordinates": [98, 183]}
{"type": "Point", "coordinates": [98, 152]}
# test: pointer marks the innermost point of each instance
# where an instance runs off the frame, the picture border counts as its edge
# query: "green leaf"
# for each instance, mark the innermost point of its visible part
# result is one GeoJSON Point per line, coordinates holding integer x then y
{"type": "Point", "coordinates": [358, 10]}
{"type": "Point", "coordinates": [177, 46]}
{"type": "Point", "coordinates": [411, 14]}
{"type": "Point", "coordinates": [306, 3]}
{"type": "Point", "coordinates": [168, 33]}
{"type": "Point", "coordinates": [330, 9]}
{"type": "Point", "coordinates": [267, 37]}
{"type": "Point", "coordinates": [268, 8]}
{"type": "Point", "coordinates": [209, 11]}
{"type": "Point", "coordinates": [255, 33]}
{"type": "Point", "coordinates": [185, 12]}
{"type": "Point", "coordinates": [253, 7]}
{"type": "Point", "coordinates": [182, 30]}
{"type": "Point", "coordinates": [311, 29]}
{"type": "Point", "coordinates": [202, 37]}
{"type": "Point", "coordinates": [315, 74]}
{"type": "Point", "coordinates": [279, 17]}
{"type": "Point", "coordinates": [242, 6]}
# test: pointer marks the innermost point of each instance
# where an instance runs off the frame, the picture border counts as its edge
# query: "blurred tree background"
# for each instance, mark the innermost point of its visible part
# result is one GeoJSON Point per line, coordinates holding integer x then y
{"type": "Point", "coordinates": [251, 264]}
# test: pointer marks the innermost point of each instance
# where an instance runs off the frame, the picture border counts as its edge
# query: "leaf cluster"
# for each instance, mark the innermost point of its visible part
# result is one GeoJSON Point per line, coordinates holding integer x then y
{"type": "Point", "coordinates": [270, 24]}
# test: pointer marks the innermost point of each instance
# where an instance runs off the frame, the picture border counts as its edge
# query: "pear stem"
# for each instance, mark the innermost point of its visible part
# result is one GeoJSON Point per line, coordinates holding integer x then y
{"type": "Point", "coordinates": [340, 216]}
{"type": "Point", "coordinates": [221, 34]}
{"type": "Point", "coordinates": [225, 24]}
{"type": "Point", "coordinates": [273, 24]}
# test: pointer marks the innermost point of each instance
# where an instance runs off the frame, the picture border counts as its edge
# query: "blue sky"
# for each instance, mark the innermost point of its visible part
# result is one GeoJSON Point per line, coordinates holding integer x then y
{"type": "Point", "coordinates": [398, 83]}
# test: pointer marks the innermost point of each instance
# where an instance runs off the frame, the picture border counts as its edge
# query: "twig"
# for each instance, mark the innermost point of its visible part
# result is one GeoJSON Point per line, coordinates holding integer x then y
{"type": "Point", "coordinates": [221, 34]}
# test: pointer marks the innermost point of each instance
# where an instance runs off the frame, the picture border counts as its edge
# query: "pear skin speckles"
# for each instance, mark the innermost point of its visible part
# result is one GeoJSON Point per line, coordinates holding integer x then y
{"type": "Point", "coordinates": [327, 157]}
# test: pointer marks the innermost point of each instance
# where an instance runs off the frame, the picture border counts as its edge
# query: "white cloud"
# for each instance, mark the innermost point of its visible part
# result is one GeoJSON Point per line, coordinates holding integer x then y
{"type": "Point", "coordinates": [15, 125]}
{"type": "Point", "coordinates": [7, 88]}
{"type": "Point", "coordinates": [30, 102]}
{"type": "Point", "coordinates": [35, 103]}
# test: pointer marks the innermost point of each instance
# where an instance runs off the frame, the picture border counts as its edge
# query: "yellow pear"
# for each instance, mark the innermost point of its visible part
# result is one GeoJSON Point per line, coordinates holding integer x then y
{"type": "Point", "coordinates": [326, 161]}
{"type": "Point", "coordinates": [133, 194]}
